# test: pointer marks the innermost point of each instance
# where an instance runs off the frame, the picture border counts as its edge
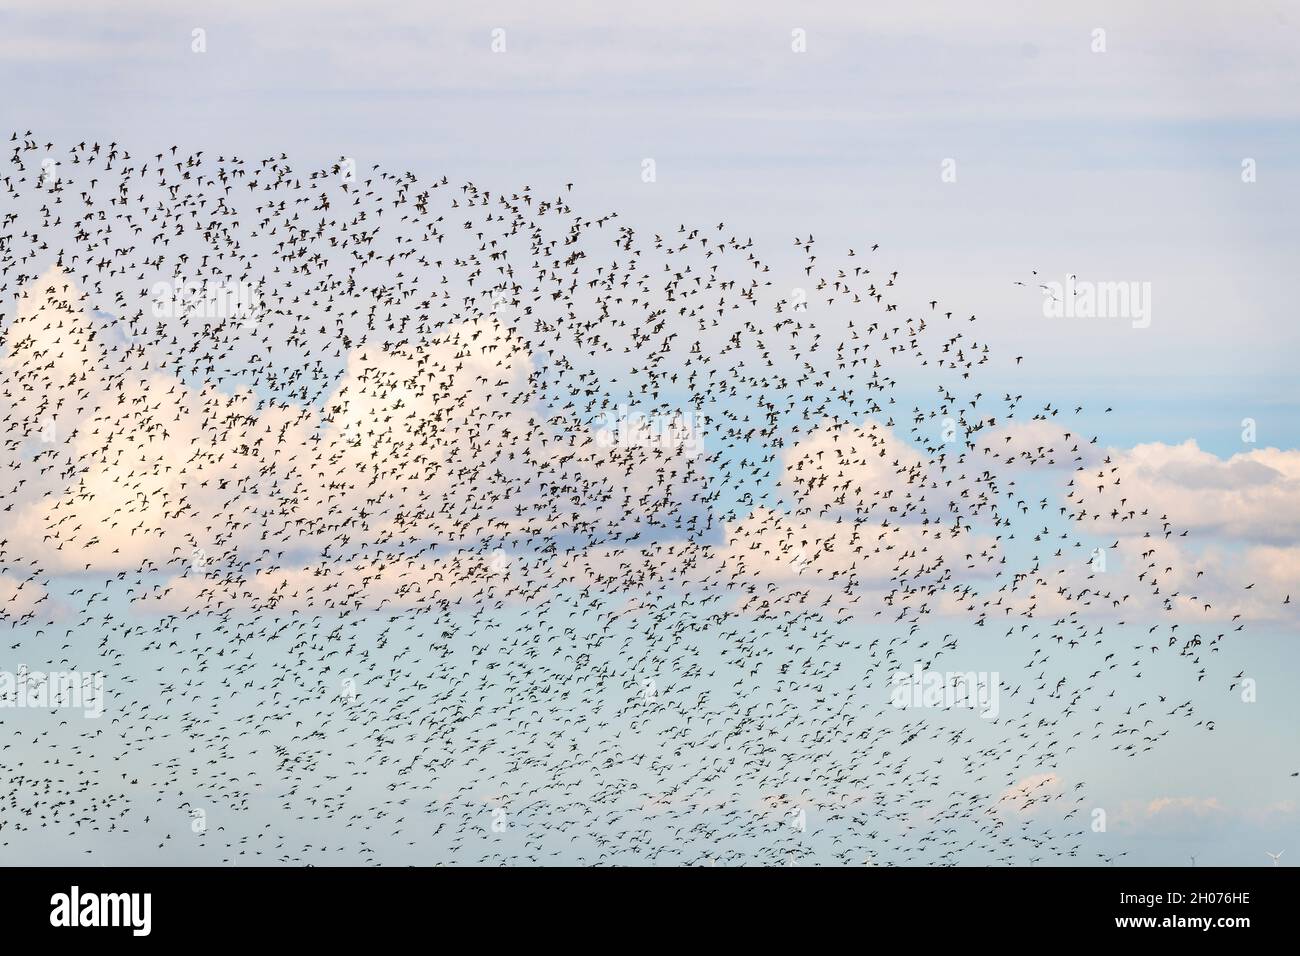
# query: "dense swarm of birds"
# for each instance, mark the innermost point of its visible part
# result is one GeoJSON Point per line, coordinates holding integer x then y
{"type": "Point", "coordinates": [414, 522]}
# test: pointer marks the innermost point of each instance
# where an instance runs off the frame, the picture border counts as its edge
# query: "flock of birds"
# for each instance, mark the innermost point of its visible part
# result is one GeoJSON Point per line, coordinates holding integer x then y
{"type": "Point", "coordinates": [414, 522]}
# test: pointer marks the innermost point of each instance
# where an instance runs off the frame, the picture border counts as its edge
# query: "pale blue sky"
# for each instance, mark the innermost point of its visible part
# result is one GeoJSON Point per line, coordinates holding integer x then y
{"type": "Point", "coordinates": [1124, 164]}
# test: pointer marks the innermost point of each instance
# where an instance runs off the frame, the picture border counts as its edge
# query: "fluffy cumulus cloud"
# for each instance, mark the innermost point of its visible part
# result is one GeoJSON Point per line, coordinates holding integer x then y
{"type": "Point", "coordinates": [1038, 442]}
{"type": "Point", "coordinates": [857, 520]}
{"type": "Point", "coordinates": [848, 469]}
{"type": "Point", "coordinates": [1221, 528]}
{"type": "Point", "coordinates": [1251, 496]}
{"type": "Point", "coordinates": [1030, 795]}
{"type": "Point", "coordinates": [421, 463]}
{"type": "Point", "coordinates": [420, 453]}
{"type": "Point", "coordinates": [425, 460]}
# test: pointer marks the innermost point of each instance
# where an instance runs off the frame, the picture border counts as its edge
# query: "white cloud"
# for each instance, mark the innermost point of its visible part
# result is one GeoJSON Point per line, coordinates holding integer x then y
{"type": "Point", "coordinates": [437, 444]}
{"type": "Point", "coordinates": [1250, 496]}
{"type": "Point", "coordinates": [1030, 795]}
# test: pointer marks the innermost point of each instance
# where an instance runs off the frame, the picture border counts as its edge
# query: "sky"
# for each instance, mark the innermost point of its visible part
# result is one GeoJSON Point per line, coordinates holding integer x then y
{"type": "Point", "coordinates": [979, 145]}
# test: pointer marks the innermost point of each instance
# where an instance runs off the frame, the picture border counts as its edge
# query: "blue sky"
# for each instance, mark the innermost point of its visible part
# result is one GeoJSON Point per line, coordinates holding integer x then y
{"type": "Point", "coordinates": [1117, 165]}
